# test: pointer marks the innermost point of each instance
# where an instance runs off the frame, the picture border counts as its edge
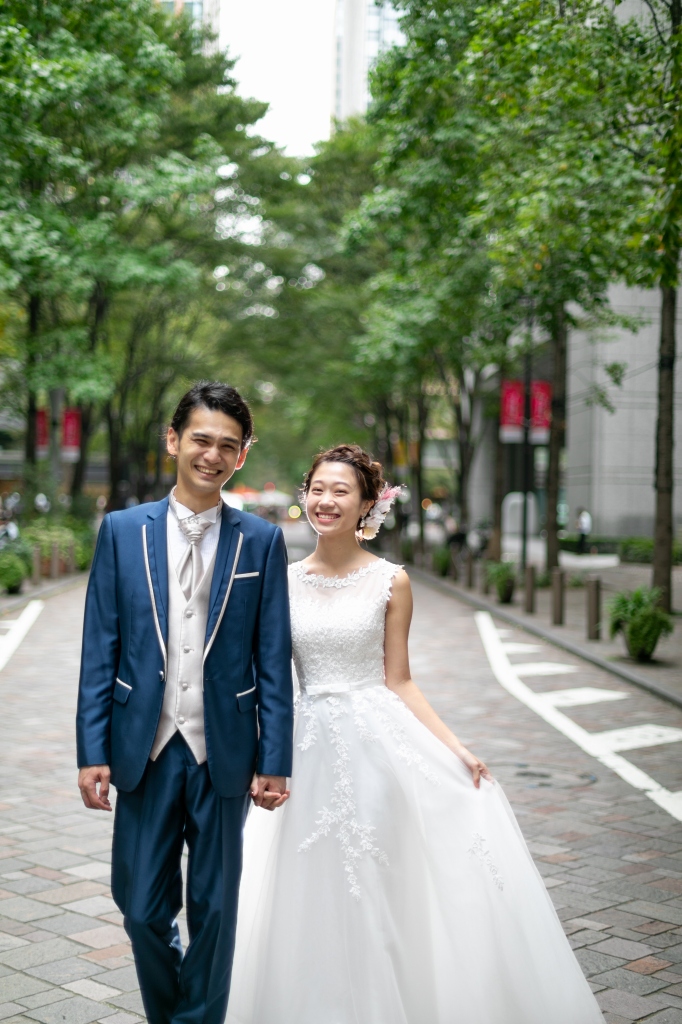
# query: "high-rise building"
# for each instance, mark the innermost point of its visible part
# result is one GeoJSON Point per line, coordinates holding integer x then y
{"type": "Point", "coordinates": [202, 12]}
{"type": "Point", "coordinates": [364, 29]}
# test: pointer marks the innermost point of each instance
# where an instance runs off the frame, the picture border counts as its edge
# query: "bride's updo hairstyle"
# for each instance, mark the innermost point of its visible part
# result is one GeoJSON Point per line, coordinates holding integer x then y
{"type": "Point", "coordinates": [369, 474]}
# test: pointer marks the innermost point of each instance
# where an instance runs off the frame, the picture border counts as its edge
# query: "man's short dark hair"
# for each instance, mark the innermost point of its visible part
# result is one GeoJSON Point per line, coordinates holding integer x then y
{"type": "Point", "coordinates": [211, 394]}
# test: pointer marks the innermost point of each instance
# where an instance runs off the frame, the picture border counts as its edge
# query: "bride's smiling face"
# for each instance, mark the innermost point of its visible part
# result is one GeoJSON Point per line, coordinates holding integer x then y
{"type": "Point", "coordinates": [334, 503]}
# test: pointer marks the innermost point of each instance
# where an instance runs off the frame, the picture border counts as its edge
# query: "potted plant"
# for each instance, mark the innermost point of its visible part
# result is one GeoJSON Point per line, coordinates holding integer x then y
{"type": "Point", "coordinates": [502, 576]}
{"type": "Point", "coordinates": [637, 615]}
{"type": "Point", "coordinates": [12, 572]}
{"type": "Point", "coordinates": [441, 561]}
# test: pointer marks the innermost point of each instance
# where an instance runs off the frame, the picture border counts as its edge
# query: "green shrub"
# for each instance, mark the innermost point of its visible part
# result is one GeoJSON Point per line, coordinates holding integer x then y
{"type": "Point", "coordinates": [576, 580]}
{"type": "Point", "coordinates": [407, 550]}
{"type": "Point", "coordinates": [637, 615]}
{"type": "Point", "coordinates": [636, 549]}
{"type": "Point", "coordinates": [502, 576]}
{"type": "Point", "coordinates": [641, 549]}
{"type": "Point", "coordinates": [12, 571]}
{"type": "Point", "coordinates": [45, 533]}
{"type": "Point", "coordinates": [441, 561]}
{"type": "Point", "coordinates": [23, 550]}
{"type": "Point", "coordinates": [543, 579]}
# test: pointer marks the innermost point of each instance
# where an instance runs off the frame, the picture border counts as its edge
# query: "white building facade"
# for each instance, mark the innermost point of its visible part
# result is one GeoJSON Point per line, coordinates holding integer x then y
{"type": "Point", "coordinates": [363, 30]}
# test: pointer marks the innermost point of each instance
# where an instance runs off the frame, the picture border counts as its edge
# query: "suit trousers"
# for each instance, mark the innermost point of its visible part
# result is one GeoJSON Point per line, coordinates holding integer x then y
{"type": "Point", "coordinates": [175, 803]}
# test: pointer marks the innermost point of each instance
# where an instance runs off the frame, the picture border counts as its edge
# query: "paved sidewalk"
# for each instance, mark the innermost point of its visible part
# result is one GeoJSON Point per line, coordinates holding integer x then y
{"type": "Point", "coordinates": [611, 858]}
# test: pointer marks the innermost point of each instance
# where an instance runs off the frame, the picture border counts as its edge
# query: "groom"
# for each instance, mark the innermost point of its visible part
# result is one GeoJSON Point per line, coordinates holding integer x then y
{"type": "Point", "coordinates": [185, 704]}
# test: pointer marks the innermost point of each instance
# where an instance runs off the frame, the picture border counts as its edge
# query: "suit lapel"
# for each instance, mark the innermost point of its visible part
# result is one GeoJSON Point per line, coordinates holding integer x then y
{"type": "Point", "coordinates": [228, 544]}
{"type": "Point", "coordinates": [157, 548]}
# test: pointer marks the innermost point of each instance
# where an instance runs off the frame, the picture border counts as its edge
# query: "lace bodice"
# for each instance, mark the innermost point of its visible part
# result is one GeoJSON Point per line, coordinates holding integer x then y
{"type": "Point", "coordinates": [337, 627]}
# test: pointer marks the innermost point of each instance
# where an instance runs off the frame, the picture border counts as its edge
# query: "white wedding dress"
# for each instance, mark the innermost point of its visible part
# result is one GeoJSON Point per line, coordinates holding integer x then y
{"type": "Point", "coordinates": [388, 889]}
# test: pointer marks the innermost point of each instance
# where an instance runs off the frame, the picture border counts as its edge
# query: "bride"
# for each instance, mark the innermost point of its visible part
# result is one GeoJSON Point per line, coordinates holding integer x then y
{"type": "Point", "coordinates": [394, 886]}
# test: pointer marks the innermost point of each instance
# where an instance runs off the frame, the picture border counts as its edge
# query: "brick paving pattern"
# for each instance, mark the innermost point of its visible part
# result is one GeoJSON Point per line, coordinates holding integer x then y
{"type": "Point", "coordinates": [611, 859]}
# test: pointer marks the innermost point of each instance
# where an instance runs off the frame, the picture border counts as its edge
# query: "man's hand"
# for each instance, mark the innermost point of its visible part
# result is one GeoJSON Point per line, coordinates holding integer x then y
{"type": "Point", "coordinates": [269, 791]}
{"type": "Point", "coordinates": [88, 778]}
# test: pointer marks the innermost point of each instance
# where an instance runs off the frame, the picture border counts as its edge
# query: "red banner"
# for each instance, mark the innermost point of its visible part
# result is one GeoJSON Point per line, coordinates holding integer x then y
{"type": "Point", "coordinates": [42, 434]}
{"type": "Point", "coordinates": [512, 407]}
{"type": "Point", "coordinates": [71, 435]}
{"type": "Point", "coordinates": [540, 411]}
{"type": "Point", "coordinates": [511, 411]}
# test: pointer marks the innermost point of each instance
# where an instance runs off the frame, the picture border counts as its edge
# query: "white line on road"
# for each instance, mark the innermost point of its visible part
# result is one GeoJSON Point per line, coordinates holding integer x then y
{"type": "Point", "coordinates": [597, 745]}
{"type": "Point", "coordinates": [544, 668]}
{"type": "Point", "coordinates": [18, 628]}
{"type": "Point", "coordinates": [578, 695]}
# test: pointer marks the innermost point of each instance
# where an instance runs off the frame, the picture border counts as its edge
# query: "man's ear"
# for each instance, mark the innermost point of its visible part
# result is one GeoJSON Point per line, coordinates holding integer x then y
{"type": "Point", "coordinates": [242, 459]}
{"type": "Point", "coordinates": [172, 441]}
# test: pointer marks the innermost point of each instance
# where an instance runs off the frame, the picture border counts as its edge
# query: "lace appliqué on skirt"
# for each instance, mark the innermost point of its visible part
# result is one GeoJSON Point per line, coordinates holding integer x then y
{"type": "Point", "coordinates": [342, 814]}
{"type": "Point", "coordinates": [478, 849]}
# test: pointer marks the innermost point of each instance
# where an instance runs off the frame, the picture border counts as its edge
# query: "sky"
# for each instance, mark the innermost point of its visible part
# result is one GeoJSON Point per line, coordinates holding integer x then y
{"type": "Point", "coordinates": [286, 57]}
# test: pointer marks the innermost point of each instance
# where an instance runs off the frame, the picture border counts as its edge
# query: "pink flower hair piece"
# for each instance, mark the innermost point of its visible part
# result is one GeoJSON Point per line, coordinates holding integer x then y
{"type": "Point", "coordinates": [374, 520]}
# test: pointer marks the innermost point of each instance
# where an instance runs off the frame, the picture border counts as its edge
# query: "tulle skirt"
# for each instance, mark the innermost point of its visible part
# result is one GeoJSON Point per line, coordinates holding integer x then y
{"type": "Point", "coordinates": [389, 890]}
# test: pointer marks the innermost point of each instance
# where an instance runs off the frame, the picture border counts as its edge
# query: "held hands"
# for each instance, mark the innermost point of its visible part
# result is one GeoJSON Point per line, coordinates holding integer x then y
{"type": "Point", "coordinates": [269, 791]}
{"type": "Point", "coordinates": [88, 778]}
{"type": "Point", "coordinates": [475, 765]}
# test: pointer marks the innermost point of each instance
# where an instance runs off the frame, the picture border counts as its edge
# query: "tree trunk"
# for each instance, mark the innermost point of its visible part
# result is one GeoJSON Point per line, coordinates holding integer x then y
{"type": "Point", "coordinates": [87, 423]}
{"type": "Point", "coordinates": [56, 397]}
{"type": "Point", "coordinates": [115, 459]}
{"type": "Point", "coordinates": [557, 435]}
{"type": "Point", "coordinates": [30, 441]}
{"type": "Point", "coordinates": [663, 481]}
{"type": "Point", "coordinates": [494, 551]}
{"type": "Point", "coordinates": [418, 462]}
{"type": "Point", "coordinates": [99, 306]}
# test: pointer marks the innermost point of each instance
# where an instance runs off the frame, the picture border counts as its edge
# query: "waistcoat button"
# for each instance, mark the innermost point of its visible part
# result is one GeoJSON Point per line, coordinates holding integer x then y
{"type": "Point", "coordinates": [186, 650]}
{"type": "Point", "coordinates": [185, 686]}
{"type": "Point", "coordinates": [181, 720]}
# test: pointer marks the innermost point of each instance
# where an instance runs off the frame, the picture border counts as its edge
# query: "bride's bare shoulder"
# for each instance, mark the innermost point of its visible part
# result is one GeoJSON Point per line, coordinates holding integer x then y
{"type": "Point", "coordinates": [401, 589]}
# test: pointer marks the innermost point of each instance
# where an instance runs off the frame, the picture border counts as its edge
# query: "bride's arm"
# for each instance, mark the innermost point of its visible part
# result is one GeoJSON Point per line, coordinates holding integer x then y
{"type": "Point", "coordinates": [398, 679]}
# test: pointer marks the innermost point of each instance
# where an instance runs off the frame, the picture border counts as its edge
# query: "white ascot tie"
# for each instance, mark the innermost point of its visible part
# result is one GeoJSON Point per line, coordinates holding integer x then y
{"type": "Point", "coordinates": [190, 568]}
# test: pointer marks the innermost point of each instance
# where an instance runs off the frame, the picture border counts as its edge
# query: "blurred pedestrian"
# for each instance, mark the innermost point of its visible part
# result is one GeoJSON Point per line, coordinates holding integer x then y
{"type": "Point", "coordinates": [584, 522]}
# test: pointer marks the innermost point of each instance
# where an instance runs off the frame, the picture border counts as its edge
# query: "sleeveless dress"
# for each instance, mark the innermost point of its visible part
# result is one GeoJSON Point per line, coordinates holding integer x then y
{"type": "Point", "coordinates": [388, 889]}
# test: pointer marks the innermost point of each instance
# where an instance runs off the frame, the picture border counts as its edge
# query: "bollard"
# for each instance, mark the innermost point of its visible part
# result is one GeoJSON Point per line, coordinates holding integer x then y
{"type": "Point", "coordinates": [54, 562]}
{"type": "Point", "coordinates": [485, 585]}
{"type": "Point", "coordinates": [530, 590]}
{"type": "Point", "coordinates": [71, 561]}
{"type": "Point", "coordinates": [558, 582]}
{"type": "Point", "coordinates": [37, 558]}
{"type": "Point", "coordinates": [470, 570]}
{"type": "Point", "coordinates": [593, 595]}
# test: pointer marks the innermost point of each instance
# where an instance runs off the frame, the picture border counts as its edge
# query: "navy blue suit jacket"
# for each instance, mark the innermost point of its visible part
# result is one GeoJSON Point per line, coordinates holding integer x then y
{"type": "Point", "coordinates": [248, 693]}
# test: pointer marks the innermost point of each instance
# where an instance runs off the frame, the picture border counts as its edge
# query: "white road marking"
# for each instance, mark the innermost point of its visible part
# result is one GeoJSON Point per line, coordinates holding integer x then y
{"type": "Point", "coordinates": [634, 738]}
{"type": "Point", "coordinates": [579, 695]}
{"type": "Point", "coordinates": [515, 648]}
{"type": "Point", "coordinates": [544, 668]}
{"type": "Point", "coordinates": [18, 630]}
{"type": "Point", "coordinates": [594, 744]}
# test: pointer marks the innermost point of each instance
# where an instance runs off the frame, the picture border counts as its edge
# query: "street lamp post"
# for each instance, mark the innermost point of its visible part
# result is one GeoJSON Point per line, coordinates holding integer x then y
{"type": "Point", "coordinates": [526, 481]}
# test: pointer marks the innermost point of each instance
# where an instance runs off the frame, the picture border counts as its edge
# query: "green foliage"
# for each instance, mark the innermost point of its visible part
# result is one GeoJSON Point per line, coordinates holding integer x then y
{"type": "Point", "coordinates": [637, 615]}
{"type": "Point", "coordinates": [442, 560]}
{"type": "Point", "coordinates": [12, 571]}
{"type": "Point", "coordinates": [45, 533]}
{"type": "Point", "coordinates": [502, 576]}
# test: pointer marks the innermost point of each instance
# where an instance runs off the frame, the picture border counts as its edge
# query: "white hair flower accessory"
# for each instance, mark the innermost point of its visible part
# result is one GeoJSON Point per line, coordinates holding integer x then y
{"type": "Point", "coordinates": [374, 520]}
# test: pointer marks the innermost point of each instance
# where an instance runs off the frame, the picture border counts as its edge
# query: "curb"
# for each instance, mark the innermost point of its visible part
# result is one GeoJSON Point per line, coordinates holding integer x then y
{"type": "Point", "coordinates": [564, 644]}
{"type": "Point", "coordinates": [58, 587]}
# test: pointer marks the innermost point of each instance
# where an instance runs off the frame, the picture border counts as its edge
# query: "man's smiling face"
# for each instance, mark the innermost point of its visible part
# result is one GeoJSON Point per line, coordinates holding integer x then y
{"type": "Point", "coordinates": [207, 452]}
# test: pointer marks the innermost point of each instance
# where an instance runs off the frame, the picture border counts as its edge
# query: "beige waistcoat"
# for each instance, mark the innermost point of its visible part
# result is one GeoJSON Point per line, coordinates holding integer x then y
{"type": "Point", "coordinates": [183, 699]}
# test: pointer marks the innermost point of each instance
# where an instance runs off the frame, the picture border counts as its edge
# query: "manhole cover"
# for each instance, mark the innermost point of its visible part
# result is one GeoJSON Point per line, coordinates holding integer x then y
{"type": "Point", "coordinates": [540, 776]}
